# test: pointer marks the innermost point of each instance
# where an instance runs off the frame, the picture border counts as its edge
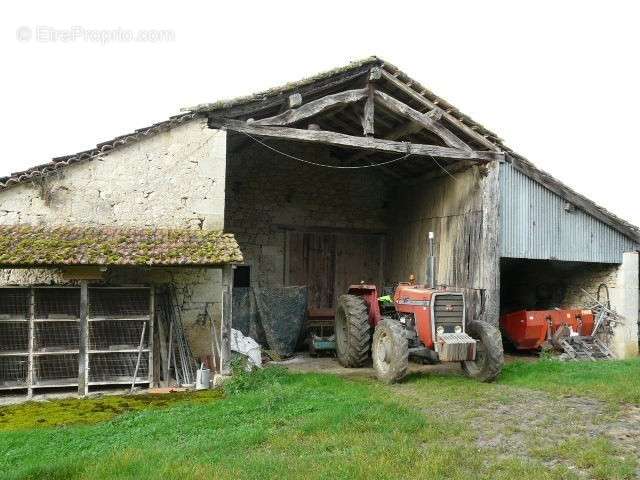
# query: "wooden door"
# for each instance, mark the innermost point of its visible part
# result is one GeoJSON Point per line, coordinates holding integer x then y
{"type": "Point", "coordinates": [311, 262]}
{"type": "Point", "coordinates": [327, 263]}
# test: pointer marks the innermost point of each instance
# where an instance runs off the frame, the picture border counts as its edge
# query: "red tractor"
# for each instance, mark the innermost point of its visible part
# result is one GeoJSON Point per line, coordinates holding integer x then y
{"type": "Point", "coordinates": [423, 324]}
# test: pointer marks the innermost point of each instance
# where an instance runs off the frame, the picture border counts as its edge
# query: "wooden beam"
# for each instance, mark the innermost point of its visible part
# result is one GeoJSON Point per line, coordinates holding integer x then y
{"type": "Point", "coordinates": [295, 100]}
{"type": "Point", "coordinates": [428, 121]}
{"type": "Point", "coordinates": [225, 320]}
{"type": "Point", "coordinates": [428, 103]}
{"type": "Point", "coordinates": [490, 248]}
{"type": "Point", "coordinates": [314, 108]}
{"type": "Point", "coordinates": [83, 346]}
{"type": "Point", "coordinates": [313, 88]}
{"type": "Point", "coordinates": [368, 118]}
{"type": "Point", "coordinates": [407, 129]}
{"type": "Point", "coordinates": [349, 141]}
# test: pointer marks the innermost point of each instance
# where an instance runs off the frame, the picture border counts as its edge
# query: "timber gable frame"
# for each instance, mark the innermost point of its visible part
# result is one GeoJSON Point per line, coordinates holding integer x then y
{"type": "Point", "coordinates": [375, 75]}
{"type": "Point", "coordinates": [301, 121]}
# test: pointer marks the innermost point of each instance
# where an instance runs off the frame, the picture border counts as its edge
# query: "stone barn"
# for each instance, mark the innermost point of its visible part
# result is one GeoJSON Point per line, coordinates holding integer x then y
{"type": "Point", "coordinates": [260, 211]}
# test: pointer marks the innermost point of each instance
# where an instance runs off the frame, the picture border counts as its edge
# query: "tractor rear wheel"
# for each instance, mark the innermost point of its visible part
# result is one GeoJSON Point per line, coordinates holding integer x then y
{"type": "Point", "coordinates": [390, 351]}
{"type": "Point", "coordinates": [353, 332]}
{"type": "Point", "coordinates": [489, 353]}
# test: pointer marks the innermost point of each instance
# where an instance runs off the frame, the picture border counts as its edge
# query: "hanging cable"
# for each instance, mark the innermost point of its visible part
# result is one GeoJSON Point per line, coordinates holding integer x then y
{"type": "Point", "coordinates": [337, 167]}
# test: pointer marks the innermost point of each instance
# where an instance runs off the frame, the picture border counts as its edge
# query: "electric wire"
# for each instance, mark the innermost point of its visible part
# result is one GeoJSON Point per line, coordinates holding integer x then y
{"type": "Point", "coordinates": [324, 165]}
{"type": "Point", "coordinates": [349, 167]}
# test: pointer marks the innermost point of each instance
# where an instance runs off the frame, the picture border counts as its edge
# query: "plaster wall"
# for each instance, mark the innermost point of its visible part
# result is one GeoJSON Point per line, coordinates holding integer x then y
{"type": "Point", "coordinates": [173, 179]}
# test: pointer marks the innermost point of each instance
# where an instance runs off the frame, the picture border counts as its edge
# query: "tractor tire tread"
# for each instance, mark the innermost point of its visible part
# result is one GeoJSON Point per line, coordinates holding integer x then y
{"type": "Point", "coordinates": [399, 364]}
{"type": "Point", "coordinates": [491, 339]}
{"type": "Point", "coordinates": [358, 331]}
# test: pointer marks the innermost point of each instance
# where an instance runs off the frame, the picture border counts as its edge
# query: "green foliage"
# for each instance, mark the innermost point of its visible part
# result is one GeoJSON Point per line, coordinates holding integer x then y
{"type": "Point", "coordinates": [250, 379]}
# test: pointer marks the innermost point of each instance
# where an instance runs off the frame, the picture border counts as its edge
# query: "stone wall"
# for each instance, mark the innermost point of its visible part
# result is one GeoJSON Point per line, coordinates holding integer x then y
{"type": "Point", "coordinates": [173, 179]}
{"type": "Point", "coordinates": [268, 194]}
{"type": "Point", "coordinates": [543, 284]}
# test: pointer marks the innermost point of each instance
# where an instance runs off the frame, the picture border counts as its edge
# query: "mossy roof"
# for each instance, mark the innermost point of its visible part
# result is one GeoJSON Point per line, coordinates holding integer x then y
{"type": "Point", "coordinates": [34, 246]}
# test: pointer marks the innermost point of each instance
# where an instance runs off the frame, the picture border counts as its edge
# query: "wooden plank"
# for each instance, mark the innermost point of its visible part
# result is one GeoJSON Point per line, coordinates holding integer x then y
{"type": "Point", "coordinates": [83, 355]}
{"type": "Point", "coordinates": [313, 108]}
{"type": "Point", "coordinates": [489, 258]}
{"type": "Point", "coordinates": [428, 103]}
{"type": "Point", "coordinates": [358, 258]}
{"type": "Point", "coordinates": [152, 344]}
{"type": "Point", "coordinates": [225, 321]}
{"type": "Point", "coordinates": [30, 366]}
{"type": "Point", "coordinates": [164, 353]}
{"type": "Point", "coordinates": [312, 260]}
{"type": "Point", "coordinates": [295, 100]}
{"type": "Point", "coordinates": [368, 119]}
{"type": "Point", "coordinates": [428, 121]}
{"type": "Point", "coordinates": [261, 104]}
{"type": "Point", "coordinates": [349, 141]}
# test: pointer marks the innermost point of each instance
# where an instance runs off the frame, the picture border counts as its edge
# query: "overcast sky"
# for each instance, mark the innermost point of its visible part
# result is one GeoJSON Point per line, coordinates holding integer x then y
{"type": "Point", "coordinates": [559, 81]}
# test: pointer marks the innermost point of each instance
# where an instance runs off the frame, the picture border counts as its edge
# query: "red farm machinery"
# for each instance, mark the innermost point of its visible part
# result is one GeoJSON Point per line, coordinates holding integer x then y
{"type": "Point", "coordinates": [420, 323]}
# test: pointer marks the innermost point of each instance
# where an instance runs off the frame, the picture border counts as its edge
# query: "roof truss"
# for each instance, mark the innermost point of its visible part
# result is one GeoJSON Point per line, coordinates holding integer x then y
{"type": "Point", "coordinates": [358, 125]}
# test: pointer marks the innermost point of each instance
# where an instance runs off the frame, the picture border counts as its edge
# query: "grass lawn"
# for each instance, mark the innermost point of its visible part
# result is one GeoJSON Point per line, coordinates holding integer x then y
{"type": "Point", "coordinates": [617, 381]}
{"type": "Point", "coordinates": [275, 424]}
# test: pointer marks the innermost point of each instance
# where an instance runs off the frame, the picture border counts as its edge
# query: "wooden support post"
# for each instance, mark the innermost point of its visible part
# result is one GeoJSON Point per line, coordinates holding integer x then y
{"type": "Point", "coordinates": [83, 346]}
{"type": "Point", "coordinates": [490, 254]}
{"type": "Point", "coordinates": [152, 320]}
{"type": "Point", "coordinates": [30, 366]}
{"type": "Point", "coordinates": [164, 372]}
{"type": "Point", "coordinates": [225, 321]}
{"type": "Point", "coordinates": [368, 119]}
{"type": "Point", "coordinates": [369, 112]}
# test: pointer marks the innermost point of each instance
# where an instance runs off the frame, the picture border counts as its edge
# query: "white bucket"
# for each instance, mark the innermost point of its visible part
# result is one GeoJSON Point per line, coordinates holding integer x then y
{"type": "Point", "coordinates": [203, 378]}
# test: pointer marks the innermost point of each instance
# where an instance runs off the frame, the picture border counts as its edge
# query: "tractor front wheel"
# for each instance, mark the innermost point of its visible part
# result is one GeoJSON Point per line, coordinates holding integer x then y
{"type": "Point", "coordinates": [390, 351]}
{"type": "Point", "coordinates": [353, 332]}
{"type": "Point", "coordinates": [489, 353]}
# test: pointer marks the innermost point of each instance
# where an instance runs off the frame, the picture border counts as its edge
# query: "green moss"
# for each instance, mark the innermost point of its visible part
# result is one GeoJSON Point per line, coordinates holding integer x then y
{"type": "Point", "coordinates": [29, 245]}
{"type": "Point", "coordinates": [76, 411]}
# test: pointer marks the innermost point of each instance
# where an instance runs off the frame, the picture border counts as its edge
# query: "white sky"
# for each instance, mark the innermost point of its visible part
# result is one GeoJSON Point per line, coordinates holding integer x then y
{"type": "Point", "coordinates": [559, 81]}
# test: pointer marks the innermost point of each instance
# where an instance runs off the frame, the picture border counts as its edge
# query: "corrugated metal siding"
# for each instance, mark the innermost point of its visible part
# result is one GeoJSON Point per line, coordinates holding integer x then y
{"type": "Point", "coordinates": [534, 224]}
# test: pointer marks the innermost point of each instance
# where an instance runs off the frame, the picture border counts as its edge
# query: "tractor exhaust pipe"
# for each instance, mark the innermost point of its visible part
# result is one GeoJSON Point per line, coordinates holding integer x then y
{"type": "Point", "coordinates": [431, 273]}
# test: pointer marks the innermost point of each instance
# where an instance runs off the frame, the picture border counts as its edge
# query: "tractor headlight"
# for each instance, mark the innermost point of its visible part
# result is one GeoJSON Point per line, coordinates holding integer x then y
{"type": "Point", "coordinates": [458, 329]}
{"type": "Point", "coordinates": [440, 330]}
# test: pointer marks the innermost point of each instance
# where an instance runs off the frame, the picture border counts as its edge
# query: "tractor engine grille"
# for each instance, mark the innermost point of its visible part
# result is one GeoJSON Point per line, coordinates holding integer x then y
{"type": "Point", "coordinates": [448, 311]}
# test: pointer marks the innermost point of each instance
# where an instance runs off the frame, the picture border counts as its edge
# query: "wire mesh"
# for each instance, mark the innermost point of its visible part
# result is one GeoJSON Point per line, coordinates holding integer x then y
{"type": "Point", "coordinates": [118, 303]}
{"type": "Point", "coordinates": [116, 335]}
{"type": "Point", "coordinates": [14, 337]}
{"type": "Point", "coordinates": [14, 303]}
{"type": "Point", "coordinates": [52, 336]}
{"type": "Point", "coordinates": [13, 371]}
{"type": "Point", "coordinates": [117, 367]}
{"type": "Point", "coordinates": [55, 369]}
{"type": "Point", "coordinates": [57, 303]}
